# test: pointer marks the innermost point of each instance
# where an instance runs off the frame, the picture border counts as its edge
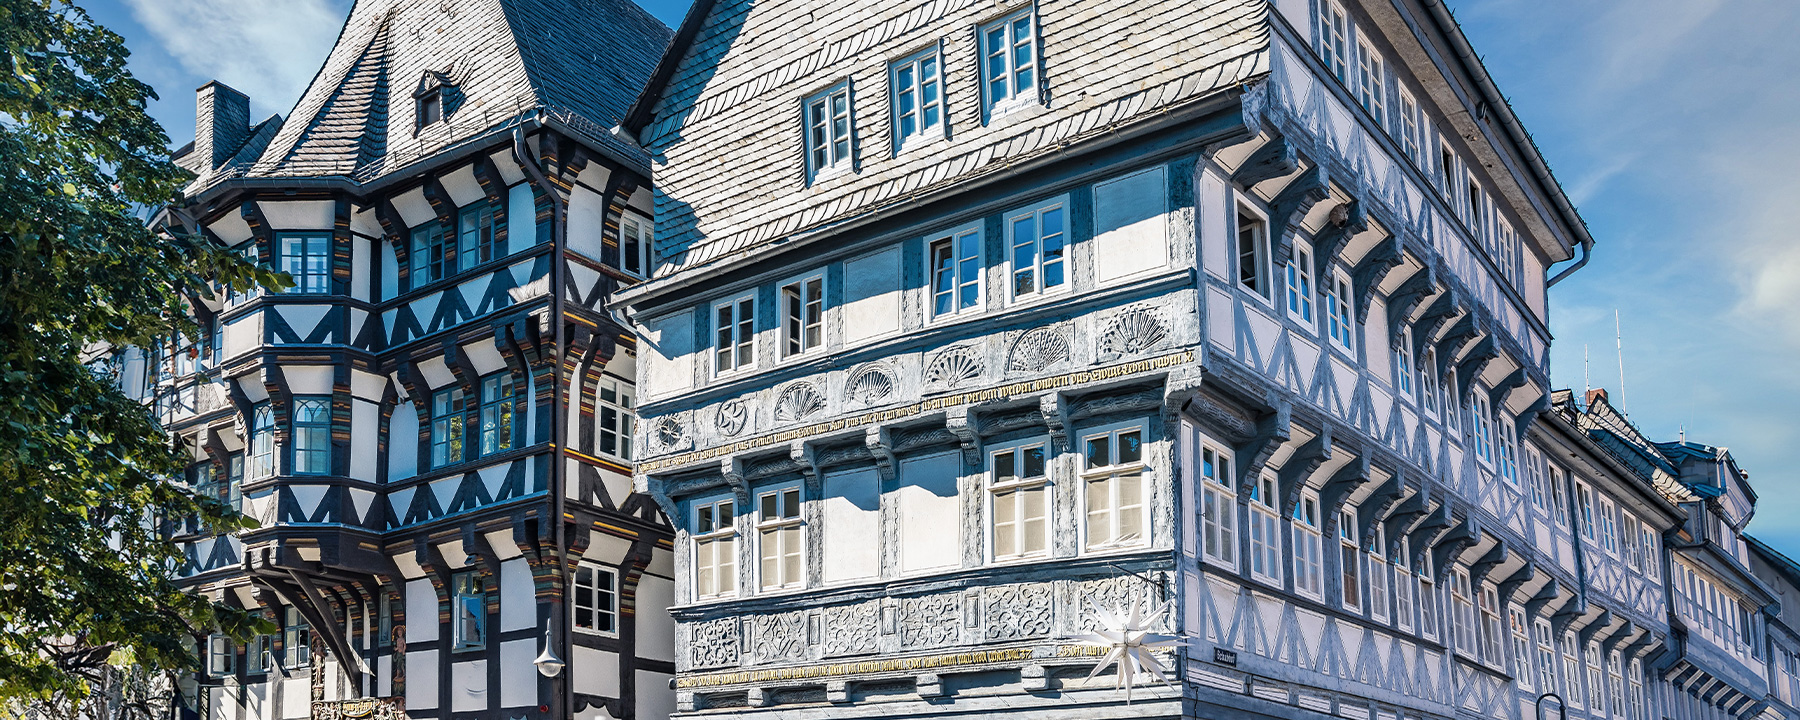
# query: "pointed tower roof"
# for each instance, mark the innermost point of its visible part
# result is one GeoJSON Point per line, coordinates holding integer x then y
{"type": "Point", "coordinates": [481, 63]}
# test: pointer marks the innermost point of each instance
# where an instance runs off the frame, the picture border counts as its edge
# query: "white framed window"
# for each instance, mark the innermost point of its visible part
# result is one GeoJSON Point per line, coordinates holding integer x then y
{"type": "Point", "coordinates": [1446, 171]}
{"type": "Point", "coordinates": [613, 417]}
{"type": "Point", "coordinates": [802, 315]}
{"type": "Point", "coordinates": [1349, 563]}
{"type": "Point", "coordinates": [957, 262]}
{"type": "Point", "coordinates": [1492, 644]}
{"type": "Point", "coordinates": [306, 257]}
{"type": "Point", "coordinates": [1309, 565]}
{"type": "Point", "coordinates": [734, 327]}
{"type": "Point", "coordinates": [1404, 587]}
{"type": "Point", "coordinates": [1637, 688]}
{"type": "Point", "coordinates": [1410, 126]}
{"type": "Point", "coordinates": [1218, 507]}
{"type": "Point", "coordinates": [312, 435]}
{"type": "Point", "coordinates": [1265, 532]}
{"type": "Point", "coordinates": [221, 655]}
{"type": "Point", "coordinates": [468, 611]}
{"type": "Point", "coordinates": [1596, 693]}
{"type": "Point", "coordinates": [1428, 602]}
{"type": "Point", "coordinates": [635, 236]}
{"type": "Point", "coordinates": [1521, 645]}
{"type": "Point", "coordinates": [1546, 656]}
{"type": "Point", "coordinates": [1462, 617]}
{"type": "Point", "coordinates": [262, 441]}
{"type": "Point", "coordinates": [1615, 682]}
{"type": "Point", "coordinates": [1481, 424]}
{"type": "Point", "coordinates": [1571, 670]}
{"type": "Point", "coordinates": [1534, 473]}
{"type": "Point", "coordinates": [918, 98]}
{"type": "Point", "coordinates": [1371, 83]}
{"type": "Point", "coordinates": [1651, 559]}
{"type": "Point", "coordinates": [1476, 218]}
{"type": "Point", "coordinates": [596, 599]}
{"type": "Point", "coordinates": [715, 548]}
{"type": "Point", "coordinates": [1403, 365]}
{"type": "Point", "coordinates": [1339, 327]}
{"type": "Point", "coordinates": [449, 416]}
{"type": "Point", "coordinates": [1300, 284]}
{"type": "Point", "coordinates": [1114, 494]}
{"type": "Point", "coordinates": [1009, 67]}
{"type": "Point", "coordinates": [780, 540]}
{"type": "Point", "coordinates": [296, 639]}
{"type": "Point", "coordinates": [828, 132]}
{"type": "Point", "coordinates": [1608, 524]}
{"type": "Point", "coordinates": [1038, 238]}
{"type": "Point", "coordinates": [1379, 573]}
{"type": "Point", "coordinates": [1584, 506]}
{"type": "Point", "coordinates": [1019, 501]}
{"type": "Point", "coordinates": [1430, 398]}
{"type": "Point", "coordinates": [258, 654]}
{"type": "Point", "coordinates": [1508, 447]}
{"type": "Point", "coordinates": [1253, 253]}
{"type": "Point", "coordinates": [1559, 493]}
{"type": "Point", "coordinates": [1334, 43]}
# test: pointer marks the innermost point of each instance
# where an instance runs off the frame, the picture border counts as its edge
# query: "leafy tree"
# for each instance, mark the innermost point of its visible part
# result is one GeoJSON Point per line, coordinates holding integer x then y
{"type": "Point", "coordinates": [89, 482]}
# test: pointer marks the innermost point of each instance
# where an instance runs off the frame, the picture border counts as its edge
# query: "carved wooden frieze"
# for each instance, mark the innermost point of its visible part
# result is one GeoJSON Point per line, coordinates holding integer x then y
{"type": "Point", "coordinates": [954, 367]}
{"type": "Point", "coordinates": [733, 416]}
{"type": "Point", "coordinates": [929, 621]}
{"type": "Point", "coordinates": [798, 401]}
{"type": "Point", "coordinates": [778, 638]}
{"type": "Point", "coordinates": [714, 643]}
{"type": "Point", "coordinates": [1039, 350]}
{"type": "Point", "coordinates": [850, 629]}
{"type": "Point", "coordinates": [1017, 611]}
{"type": "Point", "coordinates": [1134, 331]}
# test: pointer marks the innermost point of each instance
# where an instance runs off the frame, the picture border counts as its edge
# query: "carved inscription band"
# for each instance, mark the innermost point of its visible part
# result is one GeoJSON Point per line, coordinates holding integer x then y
{"type": "Point", "coordinates": [947, 401]}
{"type": "Point", "coordinates": [928, 662]}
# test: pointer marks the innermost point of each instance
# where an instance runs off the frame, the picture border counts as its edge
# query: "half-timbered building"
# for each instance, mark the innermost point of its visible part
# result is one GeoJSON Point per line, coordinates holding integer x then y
{"type": "Point", "coordinates": [976, 323]}
{"type": "Point", "coordinates": [433, 425]}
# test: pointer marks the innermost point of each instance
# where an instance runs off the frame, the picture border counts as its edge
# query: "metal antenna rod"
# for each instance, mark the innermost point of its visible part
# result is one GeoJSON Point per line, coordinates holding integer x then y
{"type": "Point", "coordinates": [1619, 345]}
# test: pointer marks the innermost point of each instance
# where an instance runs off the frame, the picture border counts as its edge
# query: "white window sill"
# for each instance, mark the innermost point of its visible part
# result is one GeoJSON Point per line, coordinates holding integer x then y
{"type": "Point", "coordinates": [1017, 104]}
{"type": "Point", "coordinates": [830, 172]}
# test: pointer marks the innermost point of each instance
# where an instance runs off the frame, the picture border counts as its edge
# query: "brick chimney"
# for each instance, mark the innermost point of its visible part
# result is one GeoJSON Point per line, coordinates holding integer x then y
{"type": "Point", "coordinates": [221, 124]}
{"type": "Point", "coordinates": [1596, 393]}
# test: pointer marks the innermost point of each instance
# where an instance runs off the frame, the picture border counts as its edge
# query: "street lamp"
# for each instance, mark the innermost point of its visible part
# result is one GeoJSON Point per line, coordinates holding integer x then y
{"type": "Point", "coordinates": [548, 664]}
{"type": "Point", "coordinates": [1562, 710]}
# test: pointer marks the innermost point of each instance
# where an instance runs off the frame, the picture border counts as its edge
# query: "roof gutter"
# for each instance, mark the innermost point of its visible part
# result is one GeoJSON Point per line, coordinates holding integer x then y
{"type": "Point", "coordinates": [1471, 64]}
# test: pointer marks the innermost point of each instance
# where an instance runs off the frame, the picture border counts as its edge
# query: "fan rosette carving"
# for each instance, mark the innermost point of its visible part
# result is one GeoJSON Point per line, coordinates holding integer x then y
{"type": "Point", "coordinates": [953, 367]}
{"type": "Point", "coordinates": [668, 434]}
{"type": "Point", "coordinates": [734, 414]}
{"type": "Point", "coordinates": [1039, 349]}
{"type": "Point", "coordinates": [870, 384]}
{"type": "Point", "coordinates": [1131, 332]}
{"type": "Point", "coordinates": [798, 402]}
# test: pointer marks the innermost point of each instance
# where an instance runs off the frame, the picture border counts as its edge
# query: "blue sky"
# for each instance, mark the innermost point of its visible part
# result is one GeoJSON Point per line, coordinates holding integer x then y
{"type": "Point", "coordinates": [1671, 124]}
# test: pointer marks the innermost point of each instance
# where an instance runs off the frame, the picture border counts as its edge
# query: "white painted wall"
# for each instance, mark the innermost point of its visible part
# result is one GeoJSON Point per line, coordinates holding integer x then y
{"type": "Point", "coordinates": [850, 517]}
{"type": "Point", "coordinates": [299, 214]}
{"type": "Point", "coordinates": [595, 672]}
{"type": "Point", "coordinates": [655, 628]}
{"type": "Point", "coordinates": [468, 686]}
{"type": "Point", "coordinates": [518, 676]}
{"type": "Point", "coordinates": [587, 221]}
{"type": "Point", "coordinates": [243, 334]}
{"type": "Point", "coordinates": [872, 287]}
{"type": "Point", "coordinates": [421, 672]}
{"type": "Point", "coordinates": [403, 442]}
{"type": "Point", "coordinates": [521, 218]}
{"type": "Point", "coordinates": [654, 698]}
{"type": "Point", "coordinates": [518, 604]}
{"type": "Point", "coordinates": [421, 615]}
{"type": "Point", "coordinates": [1131, 225]}
{"type": "Point", "coordinates": [930, 513]}
{"type": "Point", "coordinates": [669, 364]}
{"type": "Point", "coordinates": [1215, 225]}
{"type": "Point", "coordinates": [365, 428]}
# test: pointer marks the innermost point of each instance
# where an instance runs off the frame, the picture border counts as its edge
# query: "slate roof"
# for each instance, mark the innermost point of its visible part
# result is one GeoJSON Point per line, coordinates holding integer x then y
{"type": "Point", "coordinates": [581, 62]}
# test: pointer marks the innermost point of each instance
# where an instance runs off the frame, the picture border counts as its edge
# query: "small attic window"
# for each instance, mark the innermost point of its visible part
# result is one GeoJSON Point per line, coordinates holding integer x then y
{"type": "Point", "coordinates": [434, 98]}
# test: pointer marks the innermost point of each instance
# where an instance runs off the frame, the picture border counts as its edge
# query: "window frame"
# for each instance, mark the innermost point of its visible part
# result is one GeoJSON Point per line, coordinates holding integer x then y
{"type": "Point", "coordinates": [1463, 618]}
{"type": "Point", "coordinates": [1371, 82]}
{"type": "Point", "coordinates": [474, 246]}
{"type": "Point", "coordinates": [433, 255]}
{"type": "Point", "coordinates": [1340, 323]}
{"type": "Point", "coordinates": [994, 488]}
{"type": "Point", "coordinates": [1018, 95]}
{"type": "Point", "coordinates": [1309, 547]}
{"type": "Point", "coordinates": [621, 410]}
{"type": "Point", "coordinates": [1265, 531]}
{"type": "Point", "coordinates": [296, 650]}
{"type": "Point", "coordinates": [924, 134]}
{"type": "Point", "coordinates": [312, 271]}
{"type": "Point", "coordinates": [310, 431]}
{"type": "Point", "coordinates": [715, 549]}
{"type": "Point", "coordinates": [742, 332]}
{"type": "Point", "coordinates": [1109, 474]}
{"type": "Point", "coordinates": [1403, 366]}
{"type": "Point", "coordinates": [1351, 594]}
{"type": "Point", "coordinates": [221, 656]}
{"type": "Point", "coordinates": [785, 530]}
{"type": "Point", "coordinates": [824, 159]}
{"type": "Point", "coordinates": [1544, 643]}
{"type": "Point", "coordinates": [1261, 256]}
{"type": "Point", "coordinates": [796, 333]}
{"type": "Point", "coordinates": [448, 428]}
{"type": "Point", "coordinates": [1334, 40]}
{"type": "Point", "coordinates": [468, 611]}
{"type": "Point", "coordinates": [636, 232]}
{"type": "Point", "coordinates": [1301, 286]}
{"type": "Point", "coordinates": [953, 239]}
{"type": "Point", "coordinates": [1036, 213]}
{"type": "Point", "coordinates": [1411, 124]}
{"type": "Point", "coordinates": [1520, 627]}
{"type": "Point", "coordinates": [504, 431]}
{"type": "Point", "coordinates": [604, 602]}
{"type": "Point", "coordinates": [1218, 507]}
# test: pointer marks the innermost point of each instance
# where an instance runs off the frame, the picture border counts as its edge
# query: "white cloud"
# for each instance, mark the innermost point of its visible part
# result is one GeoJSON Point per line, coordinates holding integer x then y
{"type": "Point", "coordinates": [267, 49]}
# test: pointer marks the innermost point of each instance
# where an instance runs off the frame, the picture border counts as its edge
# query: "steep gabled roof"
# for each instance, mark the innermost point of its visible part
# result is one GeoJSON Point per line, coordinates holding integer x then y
{"type": "Point", "coordinates": [582, 59]}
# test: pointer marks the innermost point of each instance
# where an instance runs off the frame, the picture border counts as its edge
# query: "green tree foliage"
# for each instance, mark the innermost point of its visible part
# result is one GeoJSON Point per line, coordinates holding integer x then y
{"type": "Point", "coordinates": [87, 502]}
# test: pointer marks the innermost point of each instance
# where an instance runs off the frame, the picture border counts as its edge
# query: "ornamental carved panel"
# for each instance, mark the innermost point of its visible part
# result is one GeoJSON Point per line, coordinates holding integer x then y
{"type": "Point", "coordinates": [774, 638]}
{"type": "Point", "coordinates": [1017, 611]}
{"type": "Point", "coordinates": [929, 621]}
{"type": "Point", "coordinates": [850, 629]}
{"type": "Point", "coordinates": [1115, 594]}
{"type": "Point", "coordinates": [1136, 330]}
{"type": "Point", "coordinates": [1038, 350]}
{"type": "Point", "coordinates": [385, 708]}
{"type": "Point", "coordinates": [714, 643]}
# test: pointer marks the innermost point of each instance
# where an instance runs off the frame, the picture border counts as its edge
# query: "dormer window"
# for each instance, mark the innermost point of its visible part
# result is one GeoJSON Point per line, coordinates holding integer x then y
{"type": "Point", "coordinates": [433, 98]}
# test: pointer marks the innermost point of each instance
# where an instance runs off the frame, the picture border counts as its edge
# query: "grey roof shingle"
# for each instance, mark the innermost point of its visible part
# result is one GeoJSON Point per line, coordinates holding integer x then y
{"type": "Point", "coordinates": [581, 59]}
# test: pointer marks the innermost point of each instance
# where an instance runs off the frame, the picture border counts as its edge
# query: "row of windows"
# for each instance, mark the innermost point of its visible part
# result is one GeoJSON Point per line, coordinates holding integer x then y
{"type": "Point", "coordinates": [1361, 69]}
{"type": "Point", "coordinates": [1718, 615]}
{"type": "Point", "coordinates": [490, 418]}
{"type": "Point", "coordinates": [917, 96]}
{"type": "Point", "coordinates": [1035, 265]}
{"type": "Point", "coordinates": [594, 608]}
{"type": "Point", "coordinates": [1019, 484]}
{"type": "Point", "coordinates": [1330, 295]}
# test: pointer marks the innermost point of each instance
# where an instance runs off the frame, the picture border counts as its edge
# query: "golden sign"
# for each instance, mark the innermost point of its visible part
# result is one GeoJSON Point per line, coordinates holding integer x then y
{"type": "Point", "coordinates": [867, 667]}
{"type": "Point", "coordinates": [878, 416]}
